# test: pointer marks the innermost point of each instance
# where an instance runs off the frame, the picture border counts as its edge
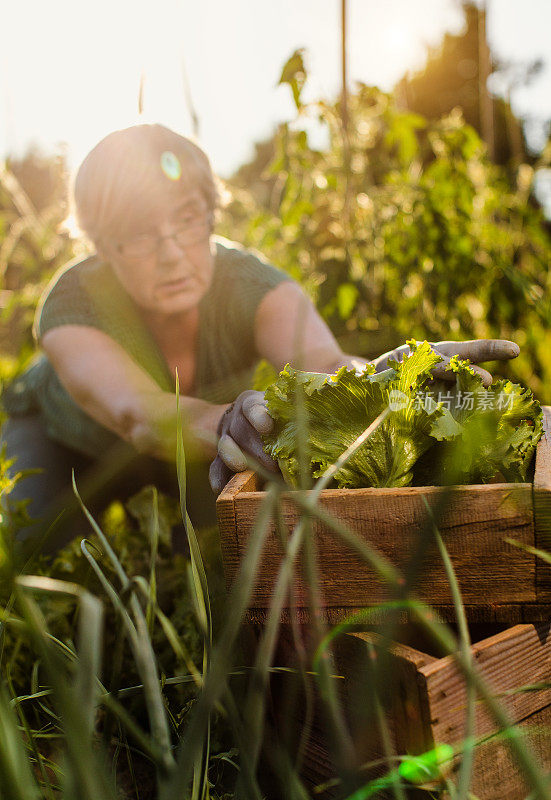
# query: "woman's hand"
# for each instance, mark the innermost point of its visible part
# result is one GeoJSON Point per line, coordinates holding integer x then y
{"type": "Point", "coordinates": [476, 350]}
{"type": "Point", "coordinates": [240, 443]}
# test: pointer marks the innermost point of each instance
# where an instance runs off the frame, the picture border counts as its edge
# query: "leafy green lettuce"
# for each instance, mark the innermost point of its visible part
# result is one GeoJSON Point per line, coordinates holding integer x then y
{"type": "Point", "coordinates": [500, 428]}
{"type": "Point", "coordinates": [433, 434]}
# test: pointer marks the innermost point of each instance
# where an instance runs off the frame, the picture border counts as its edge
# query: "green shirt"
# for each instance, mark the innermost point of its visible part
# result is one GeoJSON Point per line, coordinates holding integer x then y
{"type": "Point", "coordinates": [88, 293]}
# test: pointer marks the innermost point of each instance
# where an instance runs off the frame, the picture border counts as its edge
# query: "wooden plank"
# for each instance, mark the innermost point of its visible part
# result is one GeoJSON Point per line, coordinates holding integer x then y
{"type": "Point", "coordinates": [317, 766]}
{"type": "Point", "coordinates": [426, 710]}
{"type": "Point", "coordinates": [511, 613]}
{"type": "Point", "coordinates": [517, 656]}
{"type": "Point", "coordinates": [225, 514]}
{"type": "Point", "coordinates": [259, 615]}
{"type": "Point", "coordinates": [380, 517]}
{"type": "Point", "coordinates": [496, 773]}
{"type": "Point", "coordinates": [423, 706]}
{"type": "Point", "coordinates": [408, 702]}
{"type": "Point", "coordinates": [356, 691]}
{"type": "Point", "coordinates": [536, 612]}
{"type": "Point", "coordinates": [542, 506]}
{"type": "Point", "coordinates": [474, 526]}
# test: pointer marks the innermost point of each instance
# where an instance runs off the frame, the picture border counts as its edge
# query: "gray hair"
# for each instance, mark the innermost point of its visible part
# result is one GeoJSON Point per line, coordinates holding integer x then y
{"type": "Point", "coordinates": [130, 171]}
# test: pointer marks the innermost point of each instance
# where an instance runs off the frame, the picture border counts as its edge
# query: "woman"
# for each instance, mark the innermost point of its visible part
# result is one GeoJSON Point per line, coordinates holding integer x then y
{"type": "Point", "coordinates": [160, 296]}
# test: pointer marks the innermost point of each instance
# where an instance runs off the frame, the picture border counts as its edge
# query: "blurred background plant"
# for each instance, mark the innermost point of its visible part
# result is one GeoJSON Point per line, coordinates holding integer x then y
{"type": "Point", "coordinates": [424, 237]}
{"type": "Point", "coordinates": [33, 204]}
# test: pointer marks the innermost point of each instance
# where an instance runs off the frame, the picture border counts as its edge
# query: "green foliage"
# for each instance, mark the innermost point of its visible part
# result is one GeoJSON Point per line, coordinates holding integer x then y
{"type": "Point", "coordinates": [420, 769]}
{"type": "Point", "coordinates": [423, 237]}
{"type": "Point", "coordinates": [294, 75]}
{"type": "Point", "coordinates": [40, 664]}
{"type": "Point", "coordinates": [451, 76]}
{"type": "Point", "coordinates": [435, 433]}
{"type": "Point", "coordinates": [339, 408]}
{"type": "Point", "coordinates": [132, 542]}
{"type": "Point", "coordinates": [32, 246]}
{"type": "Point", "coordinates": [500, 427]}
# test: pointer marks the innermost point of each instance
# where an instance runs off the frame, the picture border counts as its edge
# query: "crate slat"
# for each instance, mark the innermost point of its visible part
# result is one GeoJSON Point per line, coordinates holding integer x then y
{"type": "Point", "coordinates": [390, 520]}
{"type": "Point", "coordinates": [424, 701]}
{"type": "Point", "coordinates": [510, 659]}
{"type": "Point", "coordinates": [225, 512]}
{"type": "Point", "coordinates": [516, 657]}
{"type": "Point", "coordinates": [542, 507]}
{"type": "Point", "coordinates": [496, 773]}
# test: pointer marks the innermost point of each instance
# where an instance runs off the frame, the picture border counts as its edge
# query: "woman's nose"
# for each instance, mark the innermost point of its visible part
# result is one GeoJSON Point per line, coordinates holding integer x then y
{"type": "Point", "coordinates": [168, 249]}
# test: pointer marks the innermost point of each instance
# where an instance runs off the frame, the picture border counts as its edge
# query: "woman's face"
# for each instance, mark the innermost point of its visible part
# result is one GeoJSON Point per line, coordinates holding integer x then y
{"type": "Point", "coordinates": [166, 263]}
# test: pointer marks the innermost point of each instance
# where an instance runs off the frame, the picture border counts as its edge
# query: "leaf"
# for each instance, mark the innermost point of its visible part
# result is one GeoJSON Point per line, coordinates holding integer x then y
{"type": "Point", "coordinates": [432, 435]}
{"type": "Point", "coordinates": [140, 506]}
{"type": "Point", "coordinates": [347, 294]}
{"type": "Point", "coordinates": [340, 407]}
{"type": "Point", "coordinates": [499, 428]}
{"type": "Point", "coordinates": [294, 74]}
{"type": "Point", "coordinates": [427, 766]}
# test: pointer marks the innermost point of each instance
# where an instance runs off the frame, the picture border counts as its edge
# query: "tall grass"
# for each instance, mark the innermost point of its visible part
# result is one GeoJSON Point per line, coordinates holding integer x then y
{"type": "Point", "coordinates": [58, 739]}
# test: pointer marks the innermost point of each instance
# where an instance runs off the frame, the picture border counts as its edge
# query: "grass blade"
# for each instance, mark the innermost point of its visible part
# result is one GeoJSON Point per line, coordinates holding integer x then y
{"type": "Point", "coordinates": [86, 775]}
{"type": "Point", "coordinates": [16, 779]}
{"type": "Point", "coordinates": [465, 771]}
{"type": "Point", "coordinates": [201, 593]}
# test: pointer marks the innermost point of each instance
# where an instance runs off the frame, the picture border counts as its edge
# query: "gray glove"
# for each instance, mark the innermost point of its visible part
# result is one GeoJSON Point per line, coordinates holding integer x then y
{"type": "Point", "coordinates": [475, 350]}
{"type": "Point", "coordinates": [240, 430]}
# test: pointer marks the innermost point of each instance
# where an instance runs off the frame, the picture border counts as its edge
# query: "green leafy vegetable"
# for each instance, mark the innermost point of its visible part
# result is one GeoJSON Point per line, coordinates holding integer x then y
{"type": "Point", "coordinates": [500, 427]}
{"type": "Point", "coordinates": [437, 432]}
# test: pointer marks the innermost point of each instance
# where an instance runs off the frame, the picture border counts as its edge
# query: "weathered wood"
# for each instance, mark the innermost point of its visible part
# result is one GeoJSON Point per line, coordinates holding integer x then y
{"type": "Point", "coordinates": [511, 613]}
{"type": "Point", "coordinates": [498, 581]}
{"type": "Point", "coordinates": [542, 507]}
{"type": "Point", "coordinates": [512, 658]}
{"type": "Point", "coordinates": [356, 694]}
{"type": "Point", "coordinates": [518, 656]}
{"type": "Point", "coordinates": [225, 513]}
{"type": "Point", "coordinates": [474, 526]}
{"type": "Point", "coordinates": [317, 767]}
{"type": "Point", "coordinates": [429, 701]}
{"type": "Point", "coordinates": [496, 773]}
{"type": "Point", "coordinates": [424, 701]}
{"type": "Point", "coordinates": [408, 704]}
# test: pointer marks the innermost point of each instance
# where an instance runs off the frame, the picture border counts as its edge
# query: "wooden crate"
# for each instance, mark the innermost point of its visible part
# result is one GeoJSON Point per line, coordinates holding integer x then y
{"type": "Point", "coordinates": [422, 698]}
{"type": "Point", "coordinates": [499, 582]}
{"type": "Point", "coordinates": [428, 700]}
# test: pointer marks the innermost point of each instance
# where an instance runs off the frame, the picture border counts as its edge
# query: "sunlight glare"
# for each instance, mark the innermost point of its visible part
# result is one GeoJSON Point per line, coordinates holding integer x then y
{"type": "Point", "coordinates": [79, 88]}
{"type": "Point", "coordinates": [398, 40]}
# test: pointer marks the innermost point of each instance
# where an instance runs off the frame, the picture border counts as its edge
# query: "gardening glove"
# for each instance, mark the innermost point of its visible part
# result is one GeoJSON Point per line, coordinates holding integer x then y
{"type": "Point", "coordinates": [239, 431]}
{"type": "Point", "coordinates": [475, 351]}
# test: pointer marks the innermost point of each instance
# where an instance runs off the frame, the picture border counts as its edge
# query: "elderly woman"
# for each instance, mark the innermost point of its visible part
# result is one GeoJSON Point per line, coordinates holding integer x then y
{"type": "Point", "coordinates": [161, 295]}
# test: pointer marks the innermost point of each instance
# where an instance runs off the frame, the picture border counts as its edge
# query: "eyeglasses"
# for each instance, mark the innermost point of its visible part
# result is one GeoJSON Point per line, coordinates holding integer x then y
{"type": "Point", "coordinates": [190, 227]}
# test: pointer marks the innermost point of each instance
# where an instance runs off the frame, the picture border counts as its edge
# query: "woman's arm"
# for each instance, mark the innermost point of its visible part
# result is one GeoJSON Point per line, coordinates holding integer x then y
{"type": "Point", "coordinates": [288, 328]}
{"type": "Point", "coordinates": [108, 385]}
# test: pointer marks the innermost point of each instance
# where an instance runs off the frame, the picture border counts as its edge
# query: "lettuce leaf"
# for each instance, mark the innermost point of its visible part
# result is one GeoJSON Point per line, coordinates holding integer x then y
{"type": "Point", "coordinates": [500, 428]}
{"type": "Point", "coordinates": [431, 435]}
{"type": "Point", "coordinates": [338, 408]}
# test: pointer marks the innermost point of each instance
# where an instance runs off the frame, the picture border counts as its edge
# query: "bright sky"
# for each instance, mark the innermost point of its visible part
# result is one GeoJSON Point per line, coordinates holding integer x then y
{"type": "Point", "coordinates": [70, 70]}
